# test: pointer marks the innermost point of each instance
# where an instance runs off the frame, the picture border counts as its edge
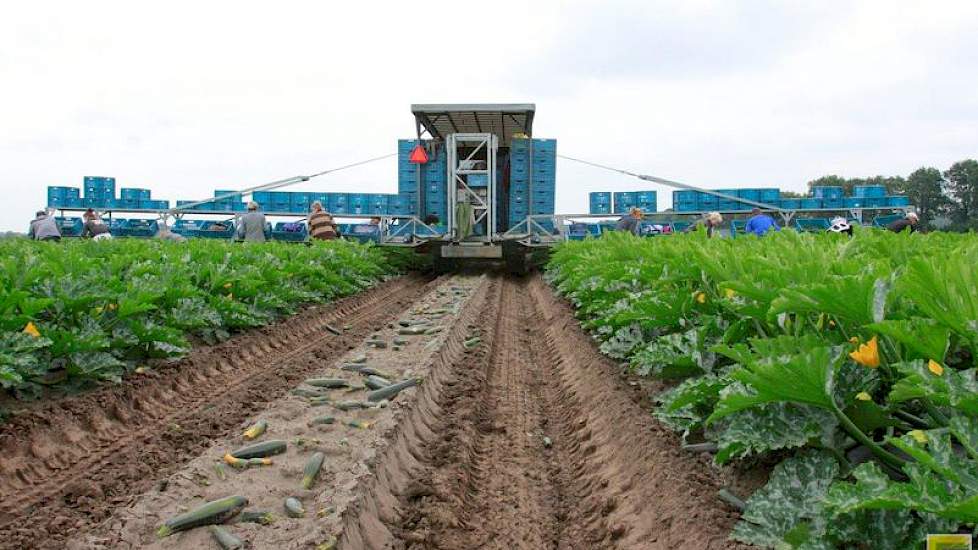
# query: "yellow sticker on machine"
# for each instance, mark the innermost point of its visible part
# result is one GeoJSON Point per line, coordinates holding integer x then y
{"type": "Point", "coordinates": [949, 542]}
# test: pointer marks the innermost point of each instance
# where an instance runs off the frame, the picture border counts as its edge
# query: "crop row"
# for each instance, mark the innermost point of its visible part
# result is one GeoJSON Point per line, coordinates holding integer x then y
{"type": "Point", "coordinates": [75, 312]}
{"type": "Point", "coordinates": [849, 361]}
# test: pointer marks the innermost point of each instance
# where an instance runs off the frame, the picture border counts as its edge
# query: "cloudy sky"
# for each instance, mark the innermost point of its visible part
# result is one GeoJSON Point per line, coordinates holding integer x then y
{"type": "Point", "coordinates": [186, 97]}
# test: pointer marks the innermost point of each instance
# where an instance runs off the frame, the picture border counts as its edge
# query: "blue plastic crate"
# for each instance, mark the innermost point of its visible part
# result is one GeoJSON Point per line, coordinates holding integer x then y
{"type": "Point", "coordinates": [769, 195]}
{"type": "Point", "coordinates": [869, 191]}
{"type": "Point", "coordinates": [140, 228]}
{"type": "Point", "coordinates": [876, 202]}
{"type": "Point", "coordinates": [209, 230]}
{"type": "Point", "coordinates": [897, 201]}
{"type": "Point", "coordinates": [833, 203]}
{"type": "Point", "coordinates": [749, 194]}
{"type": "Point", "coordinates": [809, 204]}
{"type": "Point", "coordinates": [69, 227]}
{"type": "Point", "coordinates": [290, 232]}
{"type": "Point", "coordinates": [828, 192]}
{"type": "Point", "coordinates": [791, 204]}
{"type": "Point", "coordinates": [263, 198]}
{"type": "Point", "coordinates": [854, 202]}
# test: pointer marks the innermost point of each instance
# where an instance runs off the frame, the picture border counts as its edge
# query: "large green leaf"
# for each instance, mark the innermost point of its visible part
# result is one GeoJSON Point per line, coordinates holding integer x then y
{"type": "Point", "coordinates": [953, 388]}
{"type": "Point", "coordinates": [772, 427]}
{"type": "Point", "coordinates": [923, 338]}
{"type": "Point", "coordinates": [806, 378]}
{"type": "Point", "coordinates": [792, 497]}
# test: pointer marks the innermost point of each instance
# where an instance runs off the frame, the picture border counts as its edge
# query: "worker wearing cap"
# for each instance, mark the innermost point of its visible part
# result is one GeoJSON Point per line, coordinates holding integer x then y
{"type": "Point", "coordinates": [840, 225]}
{"type": "Point", "coordinates": [909, 222]}
{"type": "Point", "coordinates": [631, 223]}
{"type": "Point", "coordinates": [44, 228]}
{"type": "Point", "coordinates": [760, 223]}
{"type": "Point", "coordinates": [251, 226]}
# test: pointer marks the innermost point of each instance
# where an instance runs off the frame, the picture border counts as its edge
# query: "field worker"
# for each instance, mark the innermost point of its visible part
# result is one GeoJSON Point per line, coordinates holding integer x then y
{"type": "Point", "coordinates": [165, 234]}
{"type": "Point", "coordinates": [44, 228]}
{"type": "Point", "coordinates": [840, 225]}
{"type": "Point", "coordinates": [251, 226]}
{"type": "Point", "coordinates": [631, 223]}
{"type": "Point", "coordinates": [94, 227]}
{"type": "Point", "coordinates": [908, 222]}
{"type": "Point", "coordinates": [321, 224]}
{"type": "Point", "coordinates": [375, 220]}
{"type": "Point", "coordinates": [760, 223]}
{"type": "Point", "coordinates": [711, 222]}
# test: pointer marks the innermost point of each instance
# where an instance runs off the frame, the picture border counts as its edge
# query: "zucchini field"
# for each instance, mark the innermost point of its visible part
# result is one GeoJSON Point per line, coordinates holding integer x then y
{"type": "Point", "coordinates": [796, 391]}
{"type": "Point", "coordinates": [848, 365]}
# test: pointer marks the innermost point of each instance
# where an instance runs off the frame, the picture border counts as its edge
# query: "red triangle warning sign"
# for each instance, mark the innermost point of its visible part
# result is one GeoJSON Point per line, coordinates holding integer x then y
{"type": "Point", "coordinates": [418, 155]}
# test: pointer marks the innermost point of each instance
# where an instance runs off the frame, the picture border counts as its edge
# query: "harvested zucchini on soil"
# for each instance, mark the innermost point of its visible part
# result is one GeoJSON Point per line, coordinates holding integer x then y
{"type": "Point", "coordinates": [376, 382]}
{"type": "Point", "coordinates": [328, 382]}
{"type": "Point", "coordinates": [413, 330]}
{"type": "Point", "coordinates": [472, 342]}
{"type": "Point", "coordinates": [293, 508]}
{"type": "Point", "coordinates": [311, 470]}
{"type": "Point", "coordinates": [390, 391]}
{"type": "Point", "coordinates": [359, 424]}
{"type": "Point", "coordinates": [214, 512]}
{"type": "Point", "coordinates": [261, 450]}
{"type": "Point", "coordinates": [348, 405]}
{"type": "Point", "coordinates": [256, 430]}
{"type": "Point", "coordinates": [256, 516]}
{"type": "Point", "coordinates": [333, 330]}
{"type": "Point", "coordinates": [370, 371]}
{"type": "Point", "coordinates": [219, 470]}
{"type": "Point", "coordinates": [245, 463]}
{"type": "Point", "coordinates": [322, 420]}
{"type": "Point", "coordinates": [306, 392]}
{"type": "Point", "coordinates": [226, 540]}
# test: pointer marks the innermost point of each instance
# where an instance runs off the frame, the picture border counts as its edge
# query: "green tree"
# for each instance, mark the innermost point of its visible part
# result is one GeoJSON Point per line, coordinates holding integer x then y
{"type": "Point", "coordinates": [962, 184]}
{"type": "Point", "coordinates": [925, 187]}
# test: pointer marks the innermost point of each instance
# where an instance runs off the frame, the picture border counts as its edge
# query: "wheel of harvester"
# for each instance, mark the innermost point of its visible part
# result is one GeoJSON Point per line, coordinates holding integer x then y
{"type": "Point", "coordinates": [444, 265]}
{"type": "Point", "coordinates": [518, 263]}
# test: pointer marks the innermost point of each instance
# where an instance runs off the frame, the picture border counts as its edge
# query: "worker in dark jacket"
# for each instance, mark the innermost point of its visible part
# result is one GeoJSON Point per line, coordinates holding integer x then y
{"type": "Point", "coordinates": [631, 223]}
{"type": "Point", "coordinates": [251, 226]}
{"type": "Point", "coordinates": [909, 222]}
{"type": "Point", "coordinates": [44, 228]}
{"type": "Point", "coordinates": [94, 227]}
{"type": "Point", "coordinates": [760, 223]}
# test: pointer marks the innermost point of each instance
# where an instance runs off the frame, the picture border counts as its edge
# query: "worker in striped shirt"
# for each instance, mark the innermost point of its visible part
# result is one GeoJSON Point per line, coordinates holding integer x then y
{"type": "Point", "coordinates": [321, 224]}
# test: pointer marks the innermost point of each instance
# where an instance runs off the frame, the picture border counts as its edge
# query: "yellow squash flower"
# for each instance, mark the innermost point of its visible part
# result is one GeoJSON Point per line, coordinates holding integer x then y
{"type": "Point", "coordinates": [863, 396]}
{"type": "Point", "coordinates": [700, 297]}
{"type": "Point", "coordinates": [854, 340]}
{"type": "Point", "coordinates": [230, 295]}
{"type": "Point", "coordinates": [918, 435]}
{"type": "Point", "coordinates": [729, 293]}
{"type": "Point", "coordinates": [868, 354]}
{"type": "Point", "coordinates": [32, 330]}
{"type": "Point", "coordinates": [935, 367]}
{"type": "Point", "coordinates": [227, 285]}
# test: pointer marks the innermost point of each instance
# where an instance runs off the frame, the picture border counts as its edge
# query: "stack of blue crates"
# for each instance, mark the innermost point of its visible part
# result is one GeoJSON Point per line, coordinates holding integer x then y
{"type": "Point", "coordinates": [64, 197]}
{"type": "Point", "coordinates": [98, 191]}
{"type": "Point", "coordinates": [599, 202]}
{"type": "Point", "coordinates": [831, 196]}
{"type": "Point", "coordinates": [133, 198]}
{"type": "Point", "coordinates": [434, 176]}
{"type": "Point", "coordinates": [532, 178]}
{"type": "Point", "coordinates": [626, 200]}
{"type": "Point", "coordinates": [686, 201]}
{"type": "Point", "coordinates": [869, 191]}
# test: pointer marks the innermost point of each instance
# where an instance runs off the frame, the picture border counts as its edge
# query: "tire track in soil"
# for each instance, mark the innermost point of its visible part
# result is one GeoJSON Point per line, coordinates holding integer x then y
{"type": "Point", "coordinates": [65, 465]}
{"type": "Point", "coordinates": [473, 470]}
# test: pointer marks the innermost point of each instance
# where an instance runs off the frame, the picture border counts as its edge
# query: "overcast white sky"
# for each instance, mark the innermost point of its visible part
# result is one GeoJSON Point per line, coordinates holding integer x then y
{"type": "Point", "coordinates": [186, 97]}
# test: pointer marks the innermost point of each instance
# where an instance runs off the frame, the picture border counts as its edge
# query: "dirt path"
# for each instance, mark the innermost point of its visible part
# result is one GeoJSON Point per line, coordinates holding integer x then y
{"type": "Point", "coordinates": [531, 441]}
{"type": "Point", "coordinates": [64, 466]}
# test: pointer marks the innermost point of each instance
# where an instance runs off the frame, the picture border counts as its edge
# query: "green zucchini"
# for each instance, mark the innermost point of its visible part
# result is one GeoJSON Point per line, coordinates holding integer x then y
{"type": "Point", "coordinates": [217, 511]}
{"type": "Point", "coordinates": [433, 330]}
{"type": "Point", "coordinates": [245, 463]}
{"type": "Point", "coordinates": [333, 330]}
{"type": "Point", "coordinates": [359, 424]}
{"type": "Point", "coordinates": [313, 466]}
{"type": "Point", "coordinates": [261, 450]}
{"type": "Point", "coordinates": [328, 382]}
{"type": "Point", "coordinates": [352, 367]}
{"type": "Point", "coordinates": [219, 470]}
{"type": "Point", "coordinates": [390, 391]}
{"type": "Point", "coordinates": [380, 344]}
{"type": "Point", "coordinates": [413, 330]}
{"type": "Point", "coordinates": [224, 539]}
{"type": "Point", "coordinates": [293, 508]}
{"type": "Point", "coordinates": [376, 382]}
{"type": "Point", "coordinates": [348, 405]}
{"type": "Point", "coordinates": [472, 342]}
{"type": "Point", "coordinates": [256, 516]}
{"type": "Point", "coordinates": [255, 430]}
{"type": "Point", "coordinates": [367, 371]}
{"type": "Point", "coordinates": [361, 358]}
{"type": "Point", "coordinates": [322, 420]}
{"type": "Point", "coordinates": [306, 392]}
